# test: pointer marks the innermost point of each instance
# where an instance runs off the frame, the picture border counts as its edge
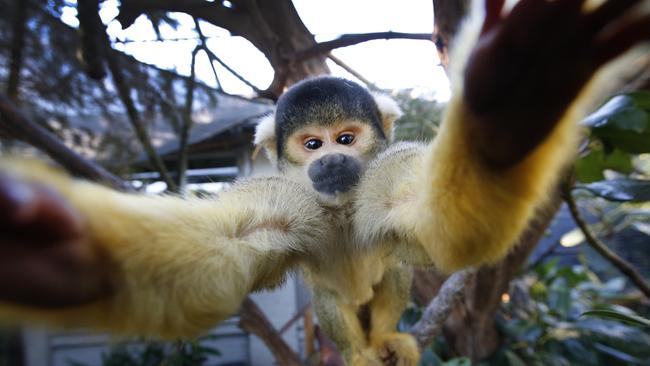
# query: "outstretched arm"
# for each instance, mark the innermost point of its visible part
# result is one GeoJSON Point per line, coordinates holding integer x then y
{"type": "Point", "coordinates": [139, 264]}
{"type": "Point", "coordinates": [508, 131]}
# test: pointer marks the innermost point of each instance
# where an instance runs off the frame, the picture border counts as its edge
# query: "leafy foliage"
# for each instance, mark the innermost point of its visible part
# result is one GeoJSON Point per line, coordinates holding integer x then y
{"type": "Point", "coordinates": [621, 190]}
{"type": "Point", "coordinates": [617, 315]}
{"type": "Point", "coordinates": [592, 167]}
{"type": "Point", "coordinates": [624, 122]}
{"type": "Point", "coordinates": [154, 353]}
{"type": "Point", "coordinates": [544, 326]}
{"type": "Point", "coordinates": [420, 120]}
{"type": "Point", "coordinates": [621, 127]}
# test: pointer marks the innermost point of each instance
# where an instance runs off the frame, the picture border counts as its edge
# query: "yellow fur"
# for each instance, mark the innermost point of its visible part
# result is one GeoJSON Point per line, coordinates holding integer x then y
{"type": "Point", "coordinates": [183, 265]}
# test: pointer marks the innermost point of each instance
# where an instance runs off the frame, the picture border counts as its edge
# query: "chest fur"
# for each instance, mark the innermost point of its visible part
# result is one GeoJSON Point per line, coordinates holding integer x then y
{"type": "Point", "coordinates": [344, 267]}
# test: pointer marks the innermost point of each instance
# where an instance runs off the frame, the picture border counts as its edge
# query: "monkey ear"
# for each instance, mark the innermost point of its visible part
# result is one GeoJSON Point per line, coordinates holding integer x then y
{"type": "Point", "coordinates": [265, 137]}
{"type": "Point", "coordinates": [389, 111]}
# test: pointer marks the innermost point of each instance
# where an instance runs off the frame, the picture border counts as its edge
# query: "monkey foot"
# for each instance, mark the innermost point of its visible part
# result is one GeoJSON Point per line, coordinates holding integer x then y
{"type": "Point", "coordinates": [365, 357]}
{"type": "Point", "coordinates": [396, 349]}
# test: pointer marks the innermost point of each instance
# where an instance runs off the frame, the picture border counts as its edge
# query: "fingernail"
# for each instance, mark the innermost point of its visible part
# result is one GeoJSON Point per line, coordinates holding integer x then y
{"type": "Point", "coordinates": [16, 197]}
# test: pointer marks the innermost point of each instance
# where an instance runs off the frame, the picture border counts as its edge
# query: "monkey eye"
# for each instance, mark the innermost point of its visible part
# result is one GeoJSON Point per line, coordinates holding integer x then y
{"type": "Point", "coordinates": [345, 139]}
{"type": "Point", "coordinates": [313, 144]}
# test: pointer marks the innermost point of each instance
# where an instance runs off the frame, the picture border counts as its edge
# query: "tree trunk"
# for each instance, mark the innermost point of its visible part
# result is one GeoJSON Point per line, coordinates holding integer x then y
{"type": "Point", "coordinates": [273, 26]}
{"type": "Point", "coordinates": [253, 320]}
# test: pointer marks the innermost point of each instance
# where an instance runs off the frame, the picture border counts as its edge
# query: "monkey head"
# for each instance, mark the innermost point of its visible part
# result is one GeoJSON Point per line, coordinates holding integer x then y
{"type": "Point", "coordinates": [325, 130]}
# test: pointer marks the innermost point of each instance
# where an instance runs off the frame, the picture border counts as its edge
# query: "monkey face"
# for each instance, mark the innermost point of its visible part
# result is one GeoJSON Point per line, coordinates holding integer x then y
{"type": "Point", "coordinates": [332, 157]}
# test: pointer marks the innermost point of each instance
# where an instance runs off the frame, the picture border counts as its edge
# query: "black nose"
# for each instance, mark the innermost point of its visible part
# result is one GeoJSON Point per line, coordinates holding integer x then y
{"type": "Point", "coordinates": [334, 173]}
{"type": "Point", "coordinates": [332, 160]}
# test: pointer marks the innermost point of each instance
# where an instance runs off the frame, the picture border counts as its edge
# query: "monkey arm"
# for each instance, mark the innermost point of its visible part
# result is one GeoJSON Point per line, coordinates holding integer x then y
{"type": "Point", "coordinates": [465, 198]}
{"type": "Point", "coordinates": [178, 266]}
{"type": "Point", "coordinates": [441, 204]}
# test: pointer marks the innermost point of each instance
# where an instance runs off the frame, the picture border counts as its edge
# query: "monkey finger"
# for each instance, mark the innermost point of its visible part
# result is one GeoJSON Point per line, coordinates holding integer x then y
{"type": "Point", "coordinates": [607, 12]}
{"type": "Point", "coordinates": [53, 277]}
{"type": "Point", "coordinates": [622, 40]}
{"type": "Point", "coordinates": [18, 201]}
{"type": "Point", "coordinates": [493, 11]}
{"type": "Point", "coordinates": [35, 213]}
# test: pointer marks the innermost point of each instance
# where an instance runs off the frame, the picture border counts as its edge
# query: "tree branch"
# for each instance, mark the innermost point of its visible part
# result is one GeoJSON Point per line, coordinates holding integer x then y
{"type": "Point", "coordinates": [626, 268]}
{"type": "Point", "coordinates": [138, 127]}
{"type": "Point", "coordinates": [17, 47]}
{"type": "Point", "coordinates": [351, 39]}
{"type": "Point", "coordinates": [13, 121]}
{"type": "Point", "coordinates": [438, 310]}
{"type": "Point", "coordinates": [352, 71]}
{"type": "Point", "coordinates": [204, 46]}
{"type": "Point", "coordinates": [214, 57]}
{"type": "Point", "coordinates": [92, 33]}
{"type": "Point", "coordinates": [253, 321]}
{"type": "Point", "coordinates": [235, 20]}
{"type": "Point", "coordinates": [329, 353]}
{"type": "Point", "coordinates": [183, 150]}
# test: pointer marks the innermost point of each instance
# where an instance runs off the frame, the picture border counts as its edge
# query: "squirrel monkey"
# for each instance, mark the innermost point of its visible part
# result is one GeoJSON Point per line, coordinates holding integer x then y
{"type": "Point", "coordinates": [349, 208]}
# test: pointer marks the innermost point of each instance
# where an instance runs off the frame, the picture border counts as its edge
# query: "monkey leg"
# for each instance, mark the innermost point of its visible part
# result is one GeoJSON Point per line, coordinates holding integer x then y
{"type": "Point", "coordinates": [386, 307]}
{"type": "Point", "coordinates": [341, 323]}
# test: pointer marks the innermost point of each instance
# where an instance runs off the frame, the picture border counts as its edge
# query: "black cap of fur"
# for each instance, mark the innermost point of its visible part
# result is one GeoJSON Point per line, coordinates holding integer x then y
{"type": "Point", "coordinates": [325, 100]}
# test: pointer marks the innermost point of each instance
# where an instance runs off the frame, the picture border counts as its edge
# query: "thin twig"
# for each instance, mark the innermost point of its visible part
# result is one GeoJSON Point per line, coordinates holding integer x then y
{"type": "Point", "coordinates": [352, 39]}
{"type": "Point", "coordinates": [294, 318]}
{"type": "Point", "coordinates": [204, 46]}
{"type": "Point", "coordinates": [138, 126]}
{"type": "Point", "coordinates": [352, 71]}
{"type": "Point", "coordinates": [17, 48]}
{"type": "Point", "coordinates": [15, 123]}
{"type": "Point", "coordinates": [253, 320]}
{"type": "Point", "coordinates": [438, 310]}
{"type": "Point", "coordinates": [626, 268]}
{"type": "Point", "coordinates": [183, 150]}
{"type": "Point", "coordinates": [214, 57]}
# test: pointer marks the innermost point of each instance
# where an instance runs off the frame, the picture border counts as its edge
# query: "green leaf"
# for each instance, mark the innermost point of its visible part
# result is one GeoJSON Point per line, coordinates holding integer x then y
{"type": "Point", "coordinates": [623, 122]}
{"type": "Point", "coordinates": [459, 361]}
{"type": "Point", "coordinates": [615, 315]}
{"type": "Point", "coordinates": [618, 354]}
{"type": "Point", "coordinates": [620, 190]}
{"type": "Point", "coordinates": [513, 359]}
{"type": "Point", "coordinates": [590, 167]}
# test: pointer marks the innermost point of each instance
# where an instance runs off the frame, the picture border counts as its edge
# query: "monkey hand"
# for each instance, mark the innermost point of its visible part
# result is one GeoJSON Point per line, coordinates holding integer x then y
{"type": "Point", "coordinates": [529, 65]}
{"type": "Point", "coordinates": [46, 260]}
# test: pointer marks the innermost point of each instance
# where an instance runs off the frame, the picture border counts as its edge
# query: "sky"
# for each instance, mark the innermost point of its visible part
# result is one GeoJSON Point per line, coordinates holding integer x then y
{"type": "Point", "coordinates": [390, 64]}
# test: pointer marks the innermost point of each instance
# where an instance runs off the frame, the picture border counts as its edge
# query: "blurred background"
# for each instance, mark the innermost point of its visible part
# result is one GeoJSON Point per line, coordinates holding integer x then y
{"type": "Point", "coordinates": [162, 96]}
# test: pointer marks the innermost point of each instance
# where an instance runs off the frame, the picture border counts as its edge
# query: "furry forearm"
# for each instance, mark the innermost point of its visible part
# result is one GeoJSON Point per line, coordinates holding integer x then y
{"type": "Point", "coordinates": [179, 266]}
{"type": "Point", "coordinates": [468, 213]}
{"type": "Point", "coordinates": [441, 204]}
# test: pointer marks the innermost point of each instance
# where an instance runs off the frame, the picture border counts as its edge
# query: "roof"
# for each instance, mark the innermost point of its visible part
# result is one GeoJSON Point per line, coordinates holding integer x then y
{"type": "Point", "coordinates": [230, 113]}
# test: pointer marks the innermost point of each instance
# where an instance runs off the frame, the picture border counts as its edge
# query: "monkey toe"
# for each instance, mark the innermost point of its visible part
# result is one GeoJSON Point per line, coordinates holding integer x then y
{"type": "Point", "coordinates": [398, 349]}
